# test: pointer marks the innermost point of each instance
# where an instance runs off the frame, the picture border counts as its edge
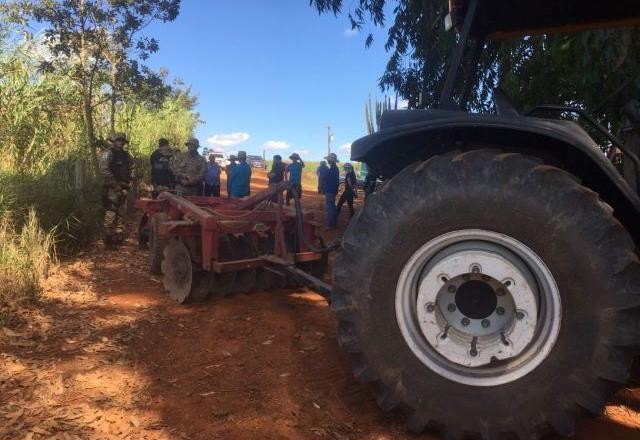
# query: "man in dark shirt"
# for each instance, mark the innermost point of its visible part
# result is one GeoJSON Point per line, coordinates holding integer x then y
{"type": "Point", "coordinates": [229, 168]}
{"type": "Point", "coordinates": [330, 178]}
{"type": "Point", "coordinates": [162, 177]}
{"type": "Point", "coordinates": [212, 178]}
{"type": "Point", "coordinates": [276, 175]}
{"type": "Point", "coordinates": [350, 190]}
{"type": "Point", "coordinates": [322, 166]}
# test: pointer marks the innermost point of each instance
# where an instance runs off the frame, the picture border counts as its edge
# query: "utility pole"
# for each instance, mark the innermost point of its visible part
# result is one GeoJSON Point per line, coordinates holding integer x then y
{"type": "Point", "coordinates": [329, 139]}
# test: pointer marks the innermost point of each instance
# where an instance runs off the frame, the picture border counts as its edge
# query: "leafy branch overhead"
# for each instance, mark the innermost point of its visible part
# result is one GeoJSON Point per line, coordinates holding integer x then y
{"type": "Point", "coordinates": [598, 70]}
{"type": "Point", "coordinates": [100, 43]}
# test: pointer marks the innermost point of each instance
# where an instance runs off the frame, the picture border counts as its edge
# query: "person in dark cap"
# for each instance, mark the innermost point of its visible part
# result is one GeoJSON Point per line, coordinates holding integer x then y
{"type": "Point", "coordinates": [117, 171]}
{"type": "Point", "coordinates": [350, 190]}
{"type": "Point", "coordinates": [322, 166]}
{"type": "Point", "coordinates": [212, 178]}
{"type": "Point", "coordinates": [276, 175]}
{"type": "Point", "coordinates": [240, 177]}
{"type": "Point", "coordinates": [330, 182]}
{"type": "Point", "coordinates": [233, 161]}
{"type": "Point", "coordinates": [294, 175]}
{"type": "Point", "coordinates": [162, 177]}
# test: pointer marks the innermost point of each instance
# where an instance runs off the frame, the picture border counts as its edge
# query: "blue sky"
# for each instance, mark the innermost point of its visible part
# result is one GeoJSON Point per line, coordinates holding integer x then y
{"type": "Point", "coordinates": [272, 74]}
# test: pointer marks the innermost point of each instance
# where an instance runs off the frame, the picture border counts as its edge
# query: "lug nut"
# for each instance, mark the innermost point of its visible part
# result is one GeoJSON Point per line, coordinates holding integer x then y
{"type": "Point", "coordinates": [430, 307]}
{"type": "Point", "coordinates": [475, 269]}
{"type": "Point", "coordinates": [500, 291]}
{"type": "Point", "coordinates": [519, 315]}
{"type": "Point", "coordinates": [485, 323]}
{"type": "Point", "coordinates": [451, 308]}
{"type": "Point", "coordinates": [465, 321]}
{"type": "Point", "coordinates": [473, 352]}
{"type": "Point", "coordinates": [500, 311]}
{"type": "Point", "coordinates": [507, 283]}
{"type": "Point", "coordinates": [451, 289]}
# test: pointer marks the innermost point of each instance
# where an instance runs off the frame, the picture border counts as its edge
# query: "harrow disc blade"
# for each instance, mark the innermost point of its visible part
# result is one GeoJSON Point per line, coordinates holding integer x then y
{"type": "Point", "coordinates": [177, 270]}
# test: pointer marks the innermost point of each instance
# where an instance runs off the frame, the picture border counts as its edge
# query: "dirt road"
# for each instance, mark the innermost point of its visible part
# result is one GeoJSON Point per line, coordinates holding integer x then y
{"type": "Point", "coordinates": [106, 354]}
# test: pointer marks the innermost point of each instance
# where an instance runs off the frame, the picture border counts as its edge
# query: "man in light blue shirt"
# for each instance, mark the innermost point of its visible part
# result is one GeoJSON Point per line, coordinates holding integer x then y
{"type": "Point", "coordinates": [240, 177]}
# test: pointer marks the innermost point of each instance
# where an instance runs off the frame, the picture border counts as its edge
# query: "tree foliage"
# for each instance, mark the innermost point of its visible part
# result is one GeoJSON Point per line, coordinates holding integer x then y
{"type": "Point", "coordinates": [99, 43]}
{"type": "Point", "coordinates": [597, 70]}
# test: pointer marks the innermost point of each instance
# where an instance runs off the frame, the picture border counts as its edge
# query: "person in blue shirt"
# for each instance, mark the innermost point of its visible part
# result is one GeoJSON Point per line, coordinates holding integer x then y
{"type": "Point", "coordinates": [294, 175]}
{"type": "Point", "coordinates": [212, 178]}
{"type": "Point", "coordinates": [330, 178]}
{"type": "Point", "coordinates": [240, 177]}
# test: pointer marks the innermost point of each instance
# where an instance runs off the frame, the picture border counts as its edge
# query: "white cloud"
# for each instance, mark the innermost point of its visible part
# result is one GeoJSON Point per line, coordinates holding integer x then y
{"type": "Point", "coordinates": [227, 140]}
{"type": "Point", "coordinates": [301, 152]}
{"type": "Point", "coordinates": [349, 32]}
{"type": "Point", "coordinates": [275, 145]}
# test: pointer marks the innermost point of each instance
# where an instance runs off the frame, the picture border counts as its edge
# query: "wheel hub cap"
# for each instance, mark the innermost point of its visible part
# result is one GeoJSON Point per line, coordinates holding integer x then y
{"type": "Point", "coordinates": [473, 319]}
{"type": "Point", "coordinates": [478, 307]}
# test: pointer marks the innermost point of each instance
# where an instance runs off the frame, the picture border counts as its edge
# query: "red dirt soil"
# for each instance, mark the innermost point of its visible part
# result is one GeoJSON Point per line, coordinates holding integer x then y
{"type": "Point", "coordinates": [106, 354]}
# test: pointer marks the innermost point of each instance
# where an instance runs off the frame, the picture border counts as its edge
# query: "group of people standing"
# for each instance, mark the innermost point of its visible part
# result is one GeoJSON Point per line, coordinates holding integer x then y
{"type": "Point", "coordinates": [188, 173]}
{"type": "Point", "coordinates": [291, 172]}
{"type": "Point", "coordinates": [329, 185]}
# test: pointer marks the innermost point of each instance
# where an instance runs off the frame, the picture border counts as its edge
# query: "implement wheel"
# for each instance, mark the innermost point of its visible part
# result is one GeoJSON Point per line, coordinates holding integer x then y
{"type": "Point", "coordinates": [178, 273]}
{"type": "Point", "coordinates": [488, 296]}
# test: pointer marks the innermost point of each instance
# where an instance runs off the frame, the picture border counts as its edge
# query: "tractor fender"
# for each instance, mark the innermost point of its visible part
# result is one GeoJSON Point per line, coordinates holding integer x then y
{"type": "Point", "coordinates": [408, 136]}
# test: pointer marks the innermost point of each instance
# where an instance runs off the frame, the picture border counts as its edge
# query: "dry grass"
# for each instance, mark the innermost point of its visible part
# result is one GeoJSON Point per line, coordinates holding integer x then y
{"type": "Point", "coordinates": [25, 257]}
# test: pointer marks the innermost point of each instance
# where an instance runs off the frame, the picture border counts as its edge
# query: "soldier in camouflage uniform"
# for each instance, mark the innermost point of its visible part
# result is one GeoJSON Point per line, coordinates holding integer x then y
{"type": "Point", "coordinates": [189, 168]}
{"type": "Point", "coordinates": [117, 171]}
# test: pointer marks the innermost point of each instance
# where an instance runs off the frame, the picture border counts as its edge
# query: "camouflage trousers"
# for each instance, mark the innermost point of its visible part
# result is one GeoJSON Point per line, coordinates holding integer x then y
{"type": "Point", "coordinates": [114, 202]}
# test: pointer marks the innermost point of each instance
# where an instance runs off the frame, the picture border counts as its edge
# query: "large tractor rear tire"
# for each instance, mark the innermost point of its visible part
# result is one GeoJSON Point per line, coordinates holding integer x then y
{"type": "Point", "coordinates": [488, 295]}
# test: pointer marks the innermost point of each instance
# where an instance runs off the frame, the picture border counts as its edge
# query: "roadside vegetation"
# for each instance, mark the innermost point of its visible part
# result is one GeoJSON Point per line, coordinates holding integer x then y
{"type": "Point", "coordinates": [61, 98]}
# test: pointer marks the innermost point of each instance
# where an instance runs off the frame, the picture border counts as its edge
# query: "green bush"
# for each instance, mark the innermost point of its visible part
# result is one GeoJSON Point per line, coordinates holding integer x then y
{"type": "Point", "coordinates": [74, 216]}
{"type": "Point", "coordinates": [25, 255]}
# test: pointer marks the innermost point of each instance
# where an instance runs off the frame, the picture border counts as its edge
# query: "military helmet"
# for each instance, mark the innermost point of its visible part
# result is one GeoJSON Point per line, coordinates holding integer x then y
{"type": "Point", "coordinates": [348, 166]}
{"type": "Point", "coordinates": [294, 156]}
{"type": "Point", "coordinates": [242, 154]}
{"type": "Point", "coordinates": [118, 136]}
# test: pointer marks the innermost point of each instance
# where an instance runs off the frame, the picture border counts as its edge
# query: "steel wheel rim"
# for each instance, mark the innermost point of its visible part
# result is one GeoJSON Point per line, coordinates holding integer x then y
{"type": "Point", "coordinates": [507, 345]}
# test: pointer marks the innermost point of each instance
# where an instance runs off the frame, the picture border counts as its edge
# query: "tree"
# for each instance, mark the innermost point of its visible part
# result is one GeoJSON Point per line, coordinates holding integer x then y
{"type": "Point", "coordinates": [95, 42]}
{"type": "Point", "coordinates": [597, 70]}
